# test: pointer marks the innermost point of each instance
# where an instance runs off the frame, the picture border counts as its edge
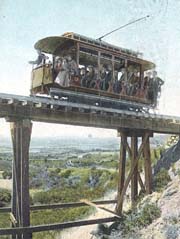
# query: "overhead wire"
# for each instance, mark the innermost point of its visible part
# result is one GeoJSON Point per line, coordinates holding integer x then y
{"type": "Point", "coordinates": [123, 26]}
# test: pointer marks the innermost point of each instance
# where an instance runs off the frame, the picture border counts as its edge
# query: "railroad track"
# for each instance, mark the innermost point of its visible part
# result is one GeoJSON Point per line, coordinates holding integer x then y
{"type": "Point", "coordinates": [48, 102]}
{"type": "Point", "coordinates": [35, 107]}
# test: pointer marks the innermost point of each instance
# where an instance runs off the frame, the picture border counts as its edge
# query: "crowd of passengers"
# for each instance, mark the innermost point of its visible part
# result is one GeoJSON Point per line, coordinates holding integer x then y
{"type": "Point", "coordinates": [122, 82]}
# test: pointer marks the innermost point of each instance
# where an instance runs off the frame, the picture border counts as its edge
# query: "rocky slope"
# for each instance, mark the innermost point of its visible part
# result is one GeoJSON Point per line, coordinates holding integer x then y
{"type": "Point", "coordinates": [165, 224]}
{"type": "Point", "coordinates": [168, 225]}
{"type": "Point", "coordinates": [170, 156]}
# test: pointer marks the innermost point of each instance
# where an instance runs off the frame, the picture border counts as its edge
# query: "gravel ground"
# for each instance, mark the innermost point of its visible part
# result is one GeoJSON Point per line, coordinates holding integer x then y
{"type": "Point", "coordinates": [6, 184]}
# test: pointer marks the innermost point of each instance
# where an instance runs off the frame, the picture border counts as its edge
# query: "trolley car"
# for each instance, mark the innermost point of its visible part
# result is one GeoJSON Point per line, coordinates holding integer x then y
{"type": "Point", "coordinates": [93, 69]}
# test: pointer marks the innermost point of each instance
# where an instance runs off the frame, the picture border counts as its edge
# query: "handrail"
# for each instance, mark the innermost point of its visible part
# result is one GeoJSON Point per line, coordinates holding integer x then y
{"type": "Point", "coordinates": [60, 205]}
{"type": "Point", "coordinates": [57, 226]}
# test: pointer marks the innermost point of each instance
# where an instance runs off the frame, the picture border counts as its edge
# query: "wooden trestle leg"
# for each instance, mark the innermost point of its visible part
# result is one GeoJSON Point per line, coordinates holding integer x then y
{"type": "Point", "coordinates": [134, 175]}
{"type": "Point", "coordinates": [21, 134]}
{"type": "Point", "coordinates": [134, 179]}
{"type": "Point", "coordinates": [122, 165]}
{"type": "Point", "coordinates": [147, 168]}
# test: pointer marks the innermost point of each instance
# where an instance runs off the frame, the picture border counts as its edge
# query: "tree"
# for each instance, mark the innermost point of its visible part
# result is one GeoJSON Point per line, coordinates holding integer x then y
{"type": "Point", "coordinates": [7, 174]}
{"type": "Point", "coordinates": [5, 197]}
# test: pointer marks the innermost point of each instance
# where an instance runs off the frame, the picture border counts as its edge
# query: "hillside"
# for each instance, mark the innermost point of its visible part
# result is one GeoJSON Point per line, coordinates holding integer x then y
{"type": "Point", "coordinates": [157, 216]}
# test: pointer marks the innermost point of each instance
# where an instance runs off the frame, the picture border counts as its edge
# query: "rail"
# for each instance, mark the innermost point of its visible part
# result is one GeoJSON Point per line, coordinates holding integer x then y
{"type": "Point", "coordinates": [46, 109]}
{"type": "Point", "coordinates": [58, 226]}
{"type": "Point", "coordinates": [60, 205]}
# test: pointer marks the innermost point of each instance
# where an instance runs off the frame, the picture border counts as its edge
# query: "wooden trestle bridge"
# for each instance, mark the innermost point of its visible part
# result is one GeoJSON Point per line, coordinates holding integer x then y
{"type": "Point", "coordinates": [20, 111]}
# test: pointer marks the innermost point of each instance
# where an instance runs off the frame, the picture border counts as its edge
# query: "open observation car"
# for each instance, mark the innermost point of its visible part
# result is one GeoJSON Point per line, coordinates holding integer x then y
{"type": "Point", "coordinates": [93, 68]}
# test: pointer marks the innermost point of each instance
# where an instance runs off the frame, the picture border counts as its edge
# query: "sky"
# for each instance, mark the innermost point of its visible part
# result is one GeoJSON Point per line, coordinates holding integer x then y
{"type": "Point", "coordinates": [23, 22]}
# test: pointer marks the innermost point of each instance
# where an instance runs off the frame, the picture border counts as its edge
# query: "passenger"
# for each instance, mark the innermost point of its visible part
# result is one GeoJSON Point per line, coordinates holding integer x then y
{"type": "Point", "coordinates": [96, 81]}
{"type": "Point", "coordinates": [41, 59]}
{"type": "Point", "coordinates": [117, 84]}
{"type": "Point", "coordinates": [108, 79]}
{"type": "Point", "coordinates": [63, 77]}
{"type": "Point", "coordinates": [136, 88]}
{"type": "Point", "coordinates": [57, 67]}
{"type": "Point", "coordinates": [138, 80]}
{"type": "Point", "coordinates": [135, 83]}
{"type": "Point", "coordinates": [157, 83]}
{"type": "Point", "coordinates": [58, 64]}
{"type": "Point", "coordinates": [150, 86]}
{"type": "Point", "coordinates": [147, 84]}
{"type": "Point", "coordinates": [72, 65]}
{"type": "Point", "coordinates": [130, 76]}
{"type": "Point", "coordinates": [90, 76]}
{"type": "Point", "coordinates": [156, 87]}
{"type": "Point", "coordinates": [146, 79]}
{"type": "Point", "coordinates": [102, 77]}
{"type": "Point", "coordinates": [123, 81]}
{"type": "Point", "coordinates": [130, 73]}
{"type": "Point", "coordinates": [114, 83]}
{"type": "Point", "coordinates": [83, 77]}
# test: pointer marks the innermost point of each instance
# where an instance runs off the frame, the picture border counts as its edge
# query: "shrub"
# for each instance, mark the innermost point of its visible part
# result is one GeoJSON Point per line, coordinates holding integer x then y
{"type": "Point", "coordinates": [148, 214]}
{"type": "Point", "coordinates": [66, 173]}
{"type": "Point", "coordinates": [141, 218]}
{"type": "Point", "coordinates": [161, 180]}
{"type": "Point", "coordinates": [7, 174]}
{"type": "Point", "coordinates": [133, 221]}
{"type": "Point", "coordinates": [5, 197]}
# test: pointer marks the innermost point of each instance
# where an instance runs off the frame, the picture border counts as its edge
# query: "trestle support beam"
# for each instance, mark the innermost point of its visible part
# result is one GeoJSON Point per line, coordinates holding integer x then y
{"type": "Point", "coordinates": [21, 134]}
{"type": "Point", "coordinates": [134, 153]}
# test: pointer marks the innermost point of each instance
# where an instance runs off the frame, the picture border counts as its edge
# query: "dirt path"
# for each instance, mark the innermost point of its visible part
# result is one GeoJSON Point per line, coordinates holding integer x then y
{"type": "Point", "coordinates": [84, 232]}
{"type": "Point", "coordinates": [6, 184]}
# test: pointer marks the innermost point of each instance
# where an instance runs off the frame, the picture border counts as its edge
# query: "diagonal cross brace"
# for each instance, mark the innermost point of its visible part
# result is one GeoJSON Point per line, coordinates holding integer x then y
{"type": "Point", "coordinates": [120, 200]}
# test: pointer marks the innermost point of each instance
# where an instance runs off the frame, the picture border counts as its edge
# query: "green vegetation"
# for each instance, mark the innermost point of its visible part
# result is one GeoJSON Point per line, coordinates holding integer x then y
{"type": "Point", "coordinates": [5, 165]}
{"type": "Point", "coordinates": [4, 222]}
{"type": "Point", "coordinates": [7, 174]}
{"type": "Point", "coordinates": [101, 159]}
{"type": "Point", "coordinates": [5, 197]}
{"type": "Point", "coordinates": [58, 216]}
{"type": "Point", "coordinates": [59, 185]}
{"type": "Point", "coordinates": [141, 218]}
{"type": "Point", "coordinates": [161, 180]}
{"type": "Point", "coordinates": [131, 222]}
{"type": "Point", "coordinates": [156, 154]}
{"type": "Point", "coordinates": [77, 184]}
{"type": "Point", "coordinates": [70, 180]}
